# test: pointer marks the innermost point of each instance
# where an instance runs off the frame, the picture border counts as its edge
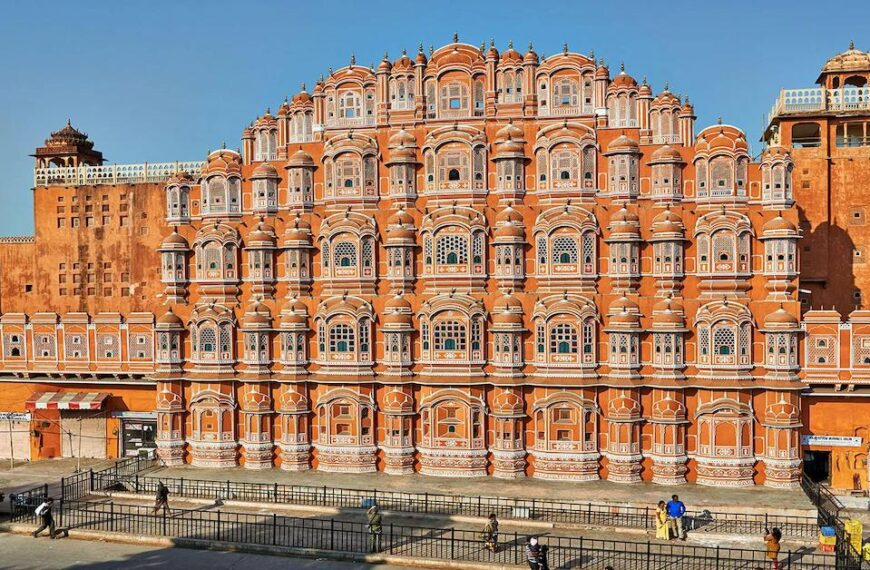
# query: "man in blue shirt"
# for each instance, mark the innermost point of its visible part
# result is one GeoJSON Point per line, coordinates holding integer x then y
{"type": "Point", "coordinates": [676, 509]}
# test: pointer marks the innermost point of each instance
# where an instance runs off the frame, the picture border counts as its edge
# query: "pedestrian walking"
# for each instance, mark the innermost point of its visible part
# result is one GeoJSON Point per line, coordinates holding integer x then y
{"type": "Point", "coordinates": [663, 530]}
{"type": "Point", "coordinates": [772, 538]}
{"type": "Point", "coordinates": [534, 554]}
{"type": "Point", "coordinates": [676, 511]}
{"type": "Point", "coordinates": [44, 512]}
{"type": "Point", "coordinates": [490, 534]}
{"type": "Point", "coordinates": [162, 498]}
{"type": "Point", "coordinates": [376, 528]}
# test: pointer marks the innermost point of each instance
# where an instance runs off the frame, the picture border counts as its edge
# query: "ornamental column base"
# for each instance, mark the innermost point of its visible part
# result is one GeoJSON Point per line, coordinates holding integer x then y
{"type": "Point", "coordinates": [669, 470]}
{"type": "Point", "coordinates": [782, 473]}
{"type": "Point", "coordinates": [258, 455]}
{"type": "Point", "coordinates": [716, 472]}
{"type": "Point", "coordinates": [508, 464]}
{"type": "Point", "coordinates": [295, 456]}
{"type": "Point", "coordinates": [346, 458]}
{"type": "Point", "coordinates": [566, 466]}
{"type": "Point", "coordinates": [171, 452]}
{"type": "Point", "coordinates": [213, 453]}
{"type": "Point", "coordinates": [624, 468]}
{"type": "Point", "coordinates": [398, 460]}
{"type": "Point", "coordinates": [440, 462]}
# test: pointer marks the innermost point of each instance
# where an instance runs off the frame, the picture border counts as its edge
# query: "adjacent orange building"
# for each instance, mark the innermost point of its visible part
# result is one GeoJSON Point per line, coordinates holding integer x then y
{"type": "Point", "coordinates": [458, 263]}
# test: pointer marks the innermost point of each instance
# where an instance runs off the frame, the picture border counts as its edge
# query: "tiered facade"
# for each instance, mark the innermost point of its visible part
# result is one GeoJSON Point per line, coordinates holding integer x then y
{"type": "Point", "coordinates": [462, 263]}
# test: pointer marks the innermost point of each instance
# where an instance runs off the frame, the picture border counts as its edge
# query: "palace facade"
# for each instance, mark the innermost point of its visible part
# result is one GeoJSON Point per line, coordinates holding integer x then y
{"type": "Point", "coordinates": [463, 262]}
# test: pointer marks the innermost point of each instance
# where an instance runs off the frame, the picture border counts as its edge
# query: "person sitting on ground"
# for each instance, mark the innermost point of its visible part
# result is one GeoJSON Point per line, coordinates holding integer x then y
{"type": "Point", "coordinates": [44, 511]}
{"type": "Point", "coordinates": [490, 534]}
{"type": "Point", "coordinates": [772, 538]}
{"type": "Point", "coordinates": [676, 510]}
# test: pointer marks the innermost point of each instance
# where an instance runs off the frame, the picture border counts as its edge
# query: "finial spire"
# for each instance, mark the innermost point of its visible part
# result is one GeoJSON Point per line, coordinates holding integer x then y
{"type": "Point", "coordinates": [420, 47]}
{"type": "Point", "coordinates": [431, 50]}
{"type": "Point", "coordinates": [224, 145]}
{"type": "Point", "coordinates": [565, 47]}
{"type": "Point", "coordinates": [621, 67]}
{"type": "Point", "coordinates": [667, 86]}
{"type": "Point", "coordinates": [455, 38]}
{"type": "Point", "coordinates": [851, 44]}
{"type": "Point", "coordinates": [404, 51]}
{"type": "Point", "coordinates": [482, 46]}
{"type": "Point", "coordinates": [531, 47]}
{"type": "Point", "coordinates": [352, 59]}
{"type": "Point", "coordinates": [719, 120]}
{"type": "Point", "coordinates": [491, 42]}
{"type": "Point", "coordinates": [386, 55]}
{"type": "Point", "coordinates": [510, 44]}
{"type": "Point", "coordinates": [592, 55]}
{"type": "Point", "coordinates": [303, 86]}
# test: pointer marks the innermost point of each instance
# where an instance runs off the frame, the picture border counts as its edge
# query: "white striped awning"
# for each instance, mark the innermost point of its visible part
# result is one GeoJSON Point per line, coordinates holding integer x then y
{"type": "Point", "coordinates": [66, 401]}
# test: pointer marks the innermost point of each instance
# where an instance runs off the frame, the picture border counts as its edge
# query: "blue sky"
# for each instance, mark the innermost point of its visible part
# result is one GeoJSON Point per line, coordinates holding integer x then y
{"type": "Point", "coordinates": [167, 80]}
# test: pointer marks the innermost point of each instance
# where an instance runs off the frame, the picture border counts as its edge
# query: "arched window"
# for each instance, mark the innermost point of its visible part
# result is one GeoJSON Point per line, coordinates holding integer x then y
{"type": "Point", "coordinates": [452, 250]}
{"type": "Point", "coordinates": [565, 93]}
{"type": "Point", "coordinates": [345, 254]}
{"type": "Point", "coordinates": [722, 175]}
{"type": "Point", "coordinates": [453, 166]}
{"type": "Point", "coordinates": [454, 97]}
{"type": "Point", "coordinates": [347, 172]}
{"type": "Point", "coordinates": [349, 105]}
{"type": "Point", "coordinates": [565, 166]}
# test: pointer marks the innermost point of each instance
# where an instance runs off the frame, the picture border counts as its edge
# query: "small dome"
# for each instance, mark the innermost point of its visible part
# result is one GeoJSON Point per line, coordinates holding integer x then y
{"type": "Point", "coordinates": [850, 60]}
{"type": "Point", "coordinates": [667, 223]}
{"type": "Point", "coordinates": [170, 319]}
{"type": "Point", "coordinates": [400, 218]}
{"type": "Point", "coordinates": [781, 318]}
{"type": "Point", "coordinates": [622, 305]}
{"type": "Point", "coordinates": [420, 59]}
{"type": "Point", "coordinates": [302, 97]}
{"type": "Point", "coordinates": [602, 72]}
{"type": "Point", "coordinates": [510, 230]}
{"type": "Point", "coordinates": [223, 161]}
{"type": "Point", "coordinates": [295, 314]}
{"type": "Point", "coordinates": [624, 223]}
{"type": "Point", "coordinates": [397, 311]}
{"type": "Point", "coordinates": [258, 315]}
{"type": "Point", "coordinates": [507, 302]}
{"type": "Point", "coordinates": [507, 403]}
{"type": "Point", "coordinates": [385, 66]}
{"type": "Point", "coordinates": [262, 234]}
{"type": "Point", "coordinates": [397, 401]}
{"type": "Point", "coordinates": [779, 225]}
{"type": "Point", "coordinates": [665, 99]}
{"type": "Point", "coordinates": [300, 158]}
{"type": "Point", "coordinates": [623, 407]}
{"type": "Point", "coordinates": [509, 214]}
{"type": "Point", "coordinates": [174, 241]}
{"type": "Point", "coordinates": [623, 144]}
{"type": "Point", "coordinates": [625, 216]}
{"type": "Point", "coordinates": [397, 302]}
{"type": "Point", "coordinates": [644, 90]}
{"type": "Point", "coordinates": [531, 56]}
{"type": "Point", "coordinates": [511, 56]}
{"type": "Point", "coordinates": [510, 131]}
{"type": "Point", "coordinates": [404, 63]}
{"type": "Point", "coordinates": [402, 138]}
{"type": "Point", "coordinates": [666, 153]}
{"type": "Point", "coordinates": [775, 153]}
{"type": "Point", "coordinates": [265, 170]}
{"type": "Point", "coordinates": [623, 80]}
{"type": "Point", "coordinates": [668, 314]}
{"type": "Point", "coordinates": [492, 52]}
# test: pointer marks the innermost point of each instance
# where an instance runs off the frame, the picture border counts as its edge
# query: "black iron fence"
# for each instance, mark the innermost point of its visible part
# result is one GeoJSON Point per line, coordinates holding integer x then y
{"type": "Point", "coordinates": [22, 504]}
{"type": "Point", "coordinates": [829, 508]}
{"type": "Point", "coordinates": [591, 514]}
{"type": "Point", "coordinates": [417, 542]}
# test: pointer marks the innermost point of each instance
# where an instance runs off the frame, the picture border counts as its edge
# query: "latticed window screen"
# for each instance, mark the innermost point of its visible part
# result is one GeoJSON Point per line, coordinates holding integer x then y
{"type": "Point", "coordinates": [364, 336]}
{"type": "Point", "coordinates": [565, 93]}
{"type": "Point", "coordinates": [565, 166]}
{"type": "Point", "coordinates": [107, 345]}
{"type": "Point", "coordinates": [207, 340]}
{"type": "Point", "coordinates": [724, 341]}
{"type": "Point", "coordinates": [342, 338]}
{"type": "Point", "coordinates": [226, 338]}
{"type": "Point", "coordinates": [564, 250]}
{"type": "Point", "coordinates": [453, 166]}
{"type": "Point", "coordinates": [476, 334]}
{"type": "Point", "coordinates": [542, 250]}
{"type": "Point", "coordinates": [452, 249]}
{"type": "Point", "coordinates": [588, 252]}
{"type": "Point", "coordinates": [368, 256]}
{"type": "Point", "coordinates": [704, 340]}
{"type": "Point", "coordinates": [449, 335]}
{"type": "Point", "coordinates": [345, 254]}
{"type": "Point", "coordinates": [588, 340]}
{"type": "Point", "coordinates": [477, 247]}
{"type": "Point", "coordinates": [13, 344]}
{"type": "Point", "coordinates": [563, 339]}
{"type": "Point", "coordinates": [823, 349]}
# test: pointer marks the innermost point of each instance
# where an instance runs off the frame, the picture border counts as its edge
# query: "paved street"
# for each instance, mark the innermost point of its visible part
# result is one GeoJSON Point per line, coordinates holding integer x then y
{"type": "Point", "coordinates": [25, 553]}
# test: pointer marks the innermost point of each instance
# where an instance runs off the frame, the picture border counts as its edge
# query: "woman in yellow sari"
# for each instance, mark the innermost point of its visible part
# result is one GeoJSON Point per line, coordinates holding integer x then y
{"type": "Point", "coordinates": [662, 530]}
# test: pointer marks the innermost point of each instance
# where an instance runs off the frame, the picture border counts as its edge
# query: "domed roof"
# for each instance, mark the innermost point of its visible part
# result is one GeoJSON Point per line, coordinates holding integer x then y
{"type": "Point", "coordinates": [492, 52]}
{"type": "Point", "coordinates": [507, 403]}
{"type": "Point", "coordinates": [397, 311]}
{"type": "Point", "coordinates": [644, 90]}
{"type": "Point", "coordinates": [624, 222]}
{"type": "Point", "coordinates": [507, 311]}
{"type": "Point", "coordinates": [404, 62]}
{"type": "Point", "coordinates": [511, 55]}
{"type": "Point", "coordinates": [623, 407]}
{"type": "Point", "coordinates": [223, 161]}
{"type": "Point", "coordinates": [666, 153]}
{"type": "Point", "coordinates": [665, 99]}
{"type": "Point", "coordinates": [300, 158]}
{"type": "Point", "coordinates": [623, 80]}
{"type": "Point", "coordinates": [420, 59]}
{"type": "Point", "coordinates": [624, 312]}
{"type": "Point", "coordinates": [174, 241]}
{"type": "Point", "coordinates": [265, 170]}
{"type": "Point", "coordinates": [668, 313]}
{"type": "Point", "coordinates": [510, 230]}
{"type": "Point", "coordinates": [779, 225]}
{"type": "Point", "coordinates": [509, 214]}
{"type": "Point", "coordinates": [398, 401]}
{"type": "Point", "coordinates": [69, 136]}
{"type": "Point", "coordinates": [602, 71]}
{"type": "Point", "coordinates": [180, 177]}
{"type": "Point", "coordinates": [397, 302]}
{"type": "Point", "coordinates": [400, 218]}
{"type": "Point", "coordinates": [667, 222]}
{"type": "Point", "coordinates": [721, 137]}
{"type": "Point", "coordinates": [402, 138]}
{"type": "Point", "coordinates": [781, 318]}
{"type": "Point", "coordinates": [258, 315]}
{"type": "Point", "coordinates": [294, 313]}
{"type": "Point", "coordinates": [510, 131]}
{"type": "Point", "coordinates": [850, 60]}
{"type": "Point", "coordinates": [298, 230]}
{"type": "Point", "coordinates": [531, 55]}
{"type": "Point", "coordinates": [385, 65]}
{"type": "Point", "coordinates": [262, 234]}
{"type": "Point", "coordinates": [623, 143]}
{"type": "Point", "coordinates": [775, 153]}
{"type": "Point", "coordinates": [302, 97]}
{"type": "Point", "coordinates": [170, 319]}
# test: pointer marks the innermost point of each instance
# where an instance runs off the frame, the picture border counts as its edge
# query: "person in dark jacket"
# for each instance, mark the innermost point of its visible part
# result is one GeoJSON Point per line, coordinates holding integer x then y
{"type": "Point", "coordinates": [490, 534]}
{"type": "Point", "coordinates": [376, 528]}
{"type": "Point", "coordinates": [44, 512]}
{"type": "Point", "coordinates": [536, 554]}
{"type": "Point", "coordinates": [162, 498]}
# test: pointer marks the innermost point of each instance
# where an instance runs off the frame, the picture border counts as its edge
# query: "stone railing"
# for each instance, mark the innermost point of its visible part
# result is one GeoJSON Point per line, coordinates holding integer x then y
{"type": "Point", "coordinates": [113, 173]}
{"type": "Point", "coordinates": [820, 99]}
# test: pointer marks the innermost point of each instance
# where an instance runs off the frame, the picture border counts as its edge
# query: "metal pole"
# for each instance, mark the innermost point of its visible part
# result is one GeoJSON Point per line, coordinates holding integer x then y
{"type": "Point", "coordinates": [11, 446]}
{"type": "Point", "coordinates": [79, 458]}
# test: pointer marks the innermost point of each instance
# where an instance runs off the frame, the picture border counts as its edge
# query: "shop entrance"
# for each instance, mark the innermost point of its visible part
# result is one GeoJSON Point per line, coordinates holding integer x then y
{"type": "Point", "coordinates": [817, 466]}
{"type": "Point", "coordinates": [139, 435]}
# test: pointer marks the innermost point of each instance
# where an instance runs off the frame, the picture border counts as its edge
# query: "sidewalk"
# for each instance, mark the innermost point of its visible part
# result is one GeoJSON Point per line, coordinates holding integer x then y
{"type": "Point", "coordinates": [29, 474]}
{"type": "Point", "coordinates": [743, 500]}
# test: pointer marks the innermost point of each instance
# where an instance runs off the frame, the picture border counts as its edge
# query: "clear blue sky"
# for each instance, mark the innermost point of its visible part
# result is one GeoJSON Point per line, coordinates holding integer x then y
{"type": "Point", "coordinates": [167, 80]}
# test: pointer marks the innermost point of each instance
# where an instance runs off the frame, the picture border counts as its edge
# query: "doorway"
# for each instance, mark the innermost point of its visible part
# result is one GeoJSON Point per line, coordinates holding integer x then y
{"type": "Point", "coordinates": [817, 466]}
